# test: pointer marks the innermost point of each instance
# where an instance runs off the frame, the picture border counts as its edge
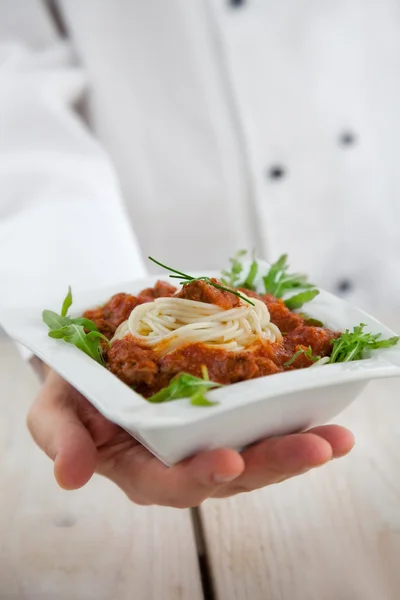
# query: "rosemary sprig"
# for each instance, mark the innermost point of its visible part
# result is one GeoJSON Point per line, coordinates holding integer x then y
{"type": "Point", "coordinates": [185, 279]}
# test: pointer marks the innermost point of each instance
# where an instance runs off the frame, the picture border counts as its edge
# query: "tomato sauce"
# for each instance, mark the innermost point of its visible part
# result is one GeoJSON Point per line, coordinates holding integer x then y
{"type": "Point", "coordinates": [148, 372]}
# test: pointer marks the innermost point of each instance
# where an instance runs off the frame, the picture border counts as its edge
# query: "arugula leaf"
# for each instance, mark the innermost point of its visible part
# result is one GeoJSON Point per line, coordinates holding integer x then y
{"type": "Point", "coordinates": [89, 343]}
{"type": "Point", "coordinates": [86, 323]}
{"type": "Point", "coordinates": [307, 352]}
{"type": "Point", "coordinates": [389, 343]}
{"type": "Point", "coordinates": [199, 399]}
{"type": "Point", "coordinates": [233, 276]}
{"type": "Point", "coordinates": [186, 386]}
{"type": "Point", "coordinates": [298, 300]}
{"type": "Point", "coordinates": [67, 302]}
{"type": "Point", "coordinates": [279, 283]}
{"type": "Point", "coordinates": [58, 334]}
{"type": "Point", "coordinates": [53, 320]}
{"type": "Point", "coordinates": [351, 345]}
{"type": "Point", "coordinates": [272, 278]}
{"type": "Point", "coordinates": [311, 321]}
{"type": "Point", "coordinates": [248, 283]}
{"type": "Point", "coordinates": [73, 330]}
{"type": "Point", "coordinates": [75, 335]}
{"type": "Point", "coordinates": [354, 345]}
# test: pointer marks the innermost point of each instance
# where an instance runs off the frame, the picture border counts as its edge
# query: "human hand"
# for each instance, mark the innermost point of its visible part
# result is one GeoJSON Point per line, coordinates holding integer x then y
{"type": "Point", "coordinates": [81, 442]}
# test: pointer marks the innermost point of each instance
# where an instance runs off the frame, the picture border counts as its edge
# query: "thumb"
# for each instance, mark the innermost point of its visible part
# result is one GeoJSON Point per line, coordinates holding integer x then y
{"type": "Point", "coordinates": [55, 426]}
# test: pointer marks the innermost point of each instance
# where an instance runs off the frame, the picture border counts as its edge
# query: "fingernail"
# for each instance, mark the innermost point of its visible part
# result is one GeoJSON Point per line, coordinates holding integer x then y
{"type": "Point", "coordinates": [224, 478]}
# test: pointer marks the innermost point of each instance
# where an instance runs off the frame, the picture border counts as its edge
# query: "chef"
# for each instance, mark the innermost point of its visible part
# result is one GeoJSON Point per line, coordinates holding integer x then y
{"type": "Point", "coordinates": [130, 128]}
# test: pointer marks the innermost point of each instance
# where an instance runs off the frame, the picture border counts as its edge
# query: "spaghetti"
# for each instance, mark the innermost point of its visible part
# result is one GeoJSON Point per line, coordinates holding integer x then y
{"type": "Point", "coordinates": [168, 323]}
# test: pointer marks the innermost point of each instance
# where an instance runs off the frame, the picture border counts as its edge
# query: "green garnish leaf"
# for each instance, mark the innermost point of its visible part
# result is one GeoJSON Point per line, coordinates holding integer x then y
{"type": "Point", "coordinates": [311, 321]}
{"type": "Point", "coordinates": [58, 334]}
{"type": "Point", "coordinates": [53, 320]}
{"type": "Point", "coordinates": [307, 352]}
{"type": "Point", "coordinates": [248, 283]}
{"type": "Point", "coordinates": [232, 277]}
{"type": "Point", "coordinates": [199, 399]}
{"type": "Point", "coordinates": [355, 345]}
{"type": "Point", "coordinates": [89, 343]}
{"type": "Point", "coordinates": [73, 330]}
{"type": "Point", "coordinates": [389, 343]}
{"type": "Point", "coordinates": [186, 386]}
{"type": "Point", "coordinates": [185, 279]}
{"type": "Point", "coordinates": [298, 300]}
{"type": "Point", "coordinates": [272, 280]}
{"type": "Point", "coordinates": [86, 323]}
{"type": "Point", "coordinates": [279, 282]}
{"type": "Point", "coordinates": [67, 303]}
{"type": "Point", "coordinates": [75, 335]}
{"type": "Point", "coordinates": [94, 334]}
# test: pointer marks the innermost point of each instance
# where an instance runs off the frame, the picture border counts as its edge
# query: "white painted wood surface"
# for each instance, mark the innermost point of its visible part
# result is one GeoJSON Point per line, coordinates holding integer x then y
{"type": "Point", "coordinates": [333, 534]}
{"type": "Point", "coordinates": [92, 544]}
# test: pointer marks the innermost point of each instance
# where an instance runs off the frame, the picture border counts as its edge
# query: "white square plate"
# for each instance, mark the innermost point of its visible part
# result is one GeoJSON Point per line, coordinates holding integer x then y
{"type": "Point", "coordinates": [246, 411]}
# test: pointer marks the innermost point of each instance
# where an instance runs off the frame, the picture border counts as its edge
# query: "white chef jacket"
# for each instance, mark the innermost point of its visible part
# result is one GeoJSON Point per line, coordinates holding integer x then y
{"type": "Point", "coordinates": [187, 129]}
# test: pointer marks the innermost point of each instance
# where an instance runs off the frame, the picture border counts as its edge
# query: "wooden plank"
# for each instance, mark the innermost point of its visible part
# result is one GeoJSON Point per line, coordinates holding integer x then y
{"type": "Point", "coordinates": [90, 544]}
{"type": "Point", "coordinates": [331, 534]}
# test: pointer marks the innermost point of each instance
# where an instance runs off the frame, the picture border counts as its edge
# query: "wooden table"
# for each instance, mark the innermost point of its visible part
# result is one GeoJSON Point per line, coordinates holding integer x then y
{"type": "Point", "coordinates": [333, 534]}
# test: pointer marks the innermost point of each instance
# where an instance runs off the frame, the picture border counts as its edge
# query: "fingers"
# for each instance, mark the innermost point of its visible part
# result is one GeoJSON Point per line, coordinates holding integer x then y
{"type": "Point", "coordinates": [56, 428]}
{"type": "Point", "coordinates": [340, 439]}
{"type": "Point", "coordinates": [147, 481]}
{"type": "Point", "coordinates": [223, 472]}
{"type": "Point", "coordinates": [80, 441]}
{"type": "Point", "coordinates": [277, 459]}
{"type": "Point", "coordinates": [76, 456]}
